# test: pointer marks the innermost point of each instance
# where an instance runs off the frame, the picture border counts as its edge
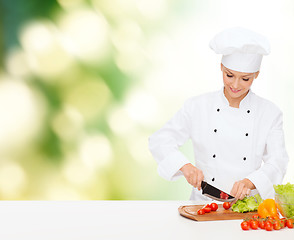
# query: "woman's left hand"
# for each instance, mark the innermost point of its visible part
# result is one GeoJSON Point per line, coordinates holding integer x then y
{"type": "Point", "coordinates": [242, 188]}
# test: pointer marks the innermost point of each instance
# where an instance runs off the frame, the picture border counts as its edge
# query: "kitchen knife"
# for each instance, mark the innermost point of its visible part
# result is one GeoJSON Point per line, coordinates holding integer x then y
{"type": "Point", "coordinates": [214, 193]}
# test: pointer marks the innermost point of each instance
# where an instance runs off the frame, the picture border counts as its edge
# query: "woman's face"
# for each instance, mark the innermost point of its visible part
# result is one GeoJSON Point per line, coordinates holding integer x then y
{"type": "Point", "coordinates": [237, 84]}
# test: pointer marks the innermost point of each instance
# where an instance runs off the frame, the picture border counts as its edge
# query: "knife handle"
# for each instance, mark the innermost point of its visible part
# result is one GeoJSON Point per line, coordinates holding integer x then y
{"type": "Point", "coordinates": [203, 184]}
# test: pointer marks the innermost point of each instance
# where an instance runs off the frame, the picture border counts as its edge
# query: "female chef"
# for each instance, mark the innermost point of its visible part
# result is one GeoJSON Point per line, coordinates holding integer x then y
{"type": "Point", "coordinates": [237, 136]}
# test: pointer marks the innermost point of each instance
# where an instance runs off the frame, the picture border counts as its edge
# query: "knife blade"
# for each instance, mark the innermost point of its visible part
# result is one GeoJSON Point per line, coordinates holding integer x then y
{"type": "Point", "coordinates": [214, 193]}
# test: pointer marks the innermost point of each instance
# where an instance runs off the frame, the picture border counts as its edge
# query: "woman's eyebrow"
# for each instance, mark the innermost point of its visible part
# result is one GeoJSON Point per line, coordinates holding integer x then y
{"type": "Point", "coordinates": [228, 71]}
{"type": "Point", "coordinates": [247, 75]}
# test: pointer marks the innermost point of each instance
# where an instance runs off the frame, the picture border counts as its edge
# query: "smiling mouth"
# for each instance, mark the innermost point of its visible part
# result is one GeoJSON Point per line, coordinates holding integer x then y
{"type": "Point", "coordinates": [234, 91]}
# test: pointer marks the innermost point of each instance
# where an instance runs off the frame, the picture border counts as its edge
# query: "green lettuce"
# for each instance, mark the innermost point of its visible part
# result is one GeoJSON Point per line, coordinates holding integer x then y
{"type": "Point", "coordinates": [285, 198]}
{"type": "Point", "coordinates": [247, 204]}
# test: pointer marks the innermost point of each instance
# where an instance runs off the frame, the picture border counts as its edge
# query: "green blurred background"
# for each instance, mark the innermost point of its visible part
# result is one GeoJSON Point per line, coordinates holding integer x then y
{"type": "Point", "coordinates": [84, 83]}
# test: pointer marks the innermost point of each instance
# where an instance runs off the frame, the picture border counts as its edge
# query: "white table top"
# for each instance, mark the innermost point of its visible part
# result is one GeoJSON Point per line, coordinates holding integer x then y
{"type": "Point", "coordinates": [87, 220]}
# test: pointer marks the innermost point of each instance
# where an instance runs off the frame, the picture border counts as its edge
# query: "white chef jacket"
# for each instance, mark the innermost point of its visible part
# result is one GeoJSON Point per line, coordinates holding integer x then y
{"type": "Point", "coordinates": [229, 144]}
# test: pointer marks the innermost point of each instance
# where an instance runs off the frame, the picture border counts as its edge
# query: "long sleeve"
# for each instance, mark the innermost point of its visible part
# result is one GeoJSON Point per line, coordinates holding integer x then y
{"type": "Point", "coordinates": [164, 144]}
{"type": "Point", "coordinates": [275, 161]}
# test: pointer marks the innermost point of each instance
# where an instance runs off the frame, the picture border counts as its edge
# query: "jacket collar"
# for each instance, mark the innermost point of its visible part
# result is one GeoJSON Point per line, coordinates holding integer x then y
{"type": "Point", "coordinates": [245, 102]}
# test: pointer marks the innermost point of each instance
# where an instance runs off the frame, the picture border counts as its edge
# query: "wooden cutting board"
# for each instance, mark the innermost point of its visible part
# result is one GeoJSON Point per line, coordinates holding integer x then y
{"type": "Point", "coordinates": [190, 211]}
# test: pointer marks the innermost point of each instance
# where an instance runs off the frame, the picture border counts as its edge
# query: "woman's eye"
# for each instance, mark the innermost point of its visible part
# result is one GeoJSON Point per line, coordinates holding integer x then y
{"type": "Point", "coordinates": [229, 75]}
{"type": "Point", "coordinates": [245, 79]}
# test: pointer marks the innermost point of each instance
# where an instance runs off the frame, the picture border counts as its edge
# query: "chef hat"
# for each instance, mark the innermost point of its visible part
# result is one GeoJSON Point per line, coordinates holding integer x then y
{"type": "Point", "coordinates": [242, 49]}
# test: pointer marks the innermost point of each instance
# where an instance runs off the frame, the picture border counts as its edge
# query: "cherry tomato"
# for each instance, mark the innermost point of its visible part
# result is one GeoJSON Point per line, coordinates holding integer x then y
{"type": "Point", "coordinates": [207, 209]}
{"type": "Point", "coordinates": [289, 223]}
{"type": "Point", "coordinates": [200, 212]}
{"type": "Point", "coordinates": [261, 224]}
{"type": "Point", "coordinates": [207, 205]}
{"type": "Point", "coordinates": [255, 216]}
{"type": "Point", "coordinates": [214, 206]}
{"type": "Point", "coordinates": [277, 225]}
{"type": "Point", "coordinates": [245, 225]}
{"type": "Point", "coordinates": [283, 222]}
{"type": "Point", "coordinates": [223, 195]}
{"type": "Point", "coordinates": [268, 226]}
{"type": "Point", "coordinates": [226, 205]}
{"type": "Point", "coordinates": [254, 224]}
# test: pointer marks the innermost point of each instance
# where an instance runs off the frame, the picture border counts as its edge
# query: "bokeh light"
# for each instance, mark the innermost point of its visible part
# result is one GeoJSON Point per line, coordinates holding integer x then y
{"type": "Point", "coordinates": [85, 34]}
{"type": "Point", "coordinates": [13, 180]}
{"type": "Point", "coordinates": [43, 49]}
{"type": "Point", "coordinates": [21, 117]}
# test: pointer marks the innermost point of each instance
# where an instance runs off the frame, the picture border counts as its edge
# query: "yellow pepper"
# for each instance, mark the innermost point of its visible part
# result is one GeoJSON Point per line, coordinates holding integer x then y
{"type": "Point", "coordinates": [268, 208]}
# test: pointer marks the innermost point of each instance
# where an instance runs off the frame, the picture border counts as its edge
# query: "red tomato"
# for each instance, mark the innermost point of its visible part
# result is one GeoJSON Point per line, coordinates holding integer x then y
{"type": "Point", "coordinates": [277, 225]}
{"type": "Point", "coordinates": [268, 226]}
{"type": "Point", "coordinates": [261, 224]}
{"type": "Point", "coordinates": [223, 195]}
{"type": "Point", "coordinates": [207, 209]}
{"type": "Point", "coordinates": [207, 205]}
{"type": "Point", "coordinates": [200, 212]}
{"type": "Point", "coordinates": [289, 223]}
{"type": "Point", "coordinates": [255, 216]}
{"type": "Point", "coordinates": [283, 222]}
{"type": "Point", "coordinates": [226, 205]}
{"type": "Point", "coordinates": [245, 225]}
{"type": "Point", "coordinates": [254, 224]}
{"type": "Point", "coordinates": [214, 206]}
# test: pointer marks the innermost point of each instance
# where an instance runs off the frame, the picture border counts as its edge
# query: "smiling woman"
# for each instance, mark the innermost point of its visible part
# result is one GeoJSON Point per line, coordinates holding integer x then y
{"type": "Point", "coordinates": [233, 130]}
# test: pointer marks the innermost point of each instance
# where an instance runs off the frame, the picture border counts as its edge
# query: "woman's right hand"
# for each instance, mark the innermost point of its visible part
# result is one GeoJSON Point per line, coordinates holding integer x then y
{"type": "Point", "coordinates": [193, 175]}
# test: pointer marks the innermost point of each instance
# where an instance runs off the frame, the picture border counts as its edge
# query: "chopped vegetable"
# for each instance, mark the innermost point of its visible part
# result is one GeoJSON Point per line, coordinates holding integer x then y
{"type": "Point", "coordinates": [200, 212]}
{"type": "Point", "coordinates": [207, 209]}
{"type": "Point", "coordinates": [247, 204]}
